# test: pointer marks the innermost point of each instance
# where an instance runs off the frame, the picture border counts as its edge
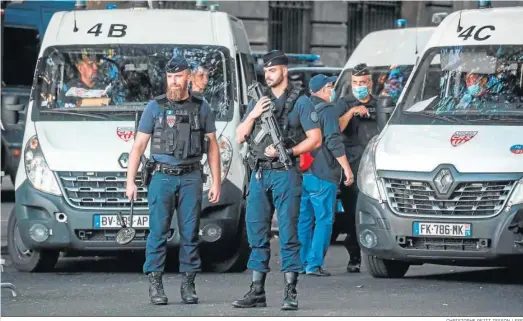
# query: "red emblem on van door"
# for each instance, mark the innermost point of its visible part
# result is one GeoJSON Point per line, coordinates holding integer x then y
{"type": "Point", "coordinates": [460, 138]}
{"type": "Point", "coordinates": [125, 133]}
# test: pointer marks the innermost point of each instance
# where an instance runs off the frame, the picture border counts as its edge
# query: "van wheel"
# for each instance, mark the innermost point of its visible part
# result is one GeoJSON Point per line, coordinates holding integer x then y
{"type": "Point", "coordinates": [380, 268]}
{"type": "Point", "coordinates": [239, 254]}
{"type": "Point", "coordinates": [23, 259]}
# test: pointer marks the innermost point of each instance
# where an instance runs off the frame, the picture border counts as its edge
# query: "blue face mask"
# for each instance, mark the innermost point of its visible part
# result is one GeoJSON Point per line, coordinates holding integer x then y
{"type": "Point", "coordinates": [474, 90]}
{"type": "Point", "coordinates": [333, 95]}
{"type": "Point", "coordinates": [360, 92]}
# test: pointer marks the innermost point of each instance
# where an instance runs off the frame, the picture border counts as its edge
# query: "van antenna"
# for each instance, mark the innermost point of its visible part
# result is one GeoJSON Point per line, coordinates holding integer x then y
{"type": "Point", "coordinates": [417, 31]}
{"type": "Point", "coordinates": [75, 29]}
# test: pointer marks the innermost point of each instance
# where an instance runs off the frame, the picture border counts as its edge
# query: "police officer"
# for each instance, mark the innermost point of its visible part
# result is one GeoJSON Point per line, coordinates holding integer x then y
{"type": "Point", "coordinates": [178, 124]}
{"type": "Point", "coordinates": [320, 181]}
{"type": "Point", "coordinates": [271, 185]}
{"type": "Point", "coordinates": [357, 112]}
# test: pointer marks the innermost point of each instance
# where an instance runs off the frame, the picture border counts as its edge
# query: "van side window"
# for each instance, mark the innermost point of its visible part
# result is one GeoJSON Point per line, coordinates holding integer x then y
{"type": "Point", "coordinates": [241, 80]}
{"type": "Point", "coordinates": [19, 62]}
{"type": "Point", "coordinates": [248, 67]}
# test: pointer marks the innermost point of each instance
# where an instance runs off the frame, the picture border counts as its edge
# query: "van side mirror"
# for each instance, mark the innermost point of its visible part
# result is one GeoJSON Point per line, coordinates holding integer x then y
{"type": "Point", "coordinates": [384, 110]}
{"type": "Point", "coordinates": [11, 109]}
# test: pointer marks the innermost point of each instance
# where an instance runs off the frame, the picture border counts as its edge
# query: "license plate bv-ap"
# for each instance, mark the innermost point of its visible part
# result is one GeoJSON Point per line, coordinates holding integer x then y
{"type": "Point", "coordinates": [442, 229]}
{"type": "Point", "coordinates": [112, 221]}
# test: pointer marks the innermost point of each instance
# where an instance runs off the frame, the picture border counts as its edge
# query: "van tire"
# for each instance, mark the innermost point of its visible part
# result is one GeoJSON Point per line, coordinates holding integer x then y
{"type": "Point", "coordinates": [381, 268]}
{"type": "Point", "coordinates": [36, 261]}
{"type": "Point", "coordinates": [236, 262]}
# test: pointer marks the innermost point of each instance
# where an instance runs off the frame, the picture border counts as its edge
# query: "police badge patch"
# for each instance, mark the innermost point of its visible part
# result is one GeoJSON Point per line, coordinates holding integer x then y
{"type": "Point", "coordinates": [314, 117]}
{"type": "Point", "coordinates": [171, 120]}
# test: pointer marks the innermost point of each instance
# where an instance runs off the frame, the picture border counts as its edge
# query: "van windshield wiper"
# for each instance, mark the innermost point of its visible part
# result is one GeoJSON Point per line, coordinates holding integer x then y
{"type": "Point", "coordinates": [497, 118]}
{"type": "Point", "coordinates": [73, 112]}
{"type": "Point", "coordinates": [449, 118]}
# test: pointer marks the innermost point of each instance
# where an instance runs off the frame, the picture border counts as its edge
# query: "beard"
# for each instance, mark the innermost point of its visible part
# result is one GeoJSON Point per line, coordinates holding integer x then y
{"type": "Point", "coordinates": [274, 82]}
{"type": "Point", "coordinates": [175, 93]}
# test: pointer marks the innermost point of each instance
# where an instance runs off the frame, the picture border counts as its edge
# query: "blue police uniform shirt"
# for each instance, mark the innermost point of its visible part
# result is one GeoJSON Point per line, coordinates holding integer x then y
{"type": "Point", "coordinates": [325, 165]}
{"type": "Point", "coordinates": [153, 110]}
{"type": "Point", "coordinates": [302, 114]}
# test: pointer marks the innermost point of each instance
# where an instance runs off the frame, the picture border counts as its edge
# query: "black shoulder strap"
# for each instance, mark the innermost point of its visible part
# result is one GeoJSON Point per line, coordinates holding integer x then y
{"type": "Point", "coordinates": [293, 95]}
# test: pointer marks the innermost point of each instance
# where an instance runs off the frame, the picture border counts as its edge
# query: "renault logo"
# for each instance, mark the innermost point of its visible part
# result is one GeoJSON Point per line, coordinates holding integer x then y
{"type": "Point", "coordinates": [443, 181]}
{"type": "Point", "coordinates": [123, 160]}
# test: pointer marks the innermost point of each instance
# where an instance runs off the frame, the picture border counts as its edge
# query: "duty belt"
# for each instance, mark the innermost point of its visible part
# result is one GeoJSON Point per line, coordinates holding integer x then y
{"type": "Point", "coordinates": [272, 165]}
{"type": "Point", "coordinates": [176, 170]}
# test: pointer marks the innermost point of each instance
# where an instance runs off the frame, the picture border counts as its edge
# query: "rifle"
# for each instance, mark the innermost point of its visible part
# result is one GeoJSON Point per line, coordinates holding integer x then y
{"type": "Point", "coordinates": [270, 127]}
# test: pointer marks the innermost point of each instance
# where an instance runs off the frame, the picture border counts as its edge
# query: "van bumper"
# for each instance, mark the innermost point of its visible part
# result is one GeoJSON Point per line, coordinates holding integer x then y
{"type": "Point", "coordinates": [79, 234]}
{"type": "Point", "coordinates": [491, 242]}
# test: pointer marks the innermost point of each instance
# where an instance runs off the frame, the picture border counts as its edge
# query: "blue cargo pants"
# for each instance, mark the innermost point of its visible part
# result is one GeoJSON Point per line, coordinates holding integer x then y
{"type": "Point", "coordinates": [318, 204]}
{"type": "Point", "coordinates": [278, 189]}
{"type": "Point", "coordinates": [162, 193]}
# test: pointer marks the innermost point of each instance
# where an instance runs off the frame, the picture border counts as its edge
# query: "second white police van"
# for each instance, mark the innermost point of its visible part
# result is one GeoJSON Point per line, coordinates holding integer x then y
{"type": "Point", "coordinates": [443, 182]}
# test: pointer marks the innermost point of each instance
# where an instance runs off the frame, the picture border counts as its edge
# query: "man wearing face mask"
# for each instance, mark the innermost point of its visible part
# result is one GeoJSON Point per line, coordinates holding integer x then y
{"type": "Point", "coordinates": [476, 90]}
{"type": "Point", "coordinates": [357, 122]}
{"type": "Point", "coordinates": [321, 180]}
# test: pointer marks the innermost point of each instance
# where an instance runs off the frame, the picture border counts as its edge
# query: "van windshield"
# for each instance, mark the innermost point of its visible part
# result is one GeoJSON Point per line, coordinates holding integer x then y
{"type": "Point", "coordinates": [466, 84]}
{"type": "Point", "coordinates": [386, 80]}
{"type": "Point", "coordinates": [110, 82]}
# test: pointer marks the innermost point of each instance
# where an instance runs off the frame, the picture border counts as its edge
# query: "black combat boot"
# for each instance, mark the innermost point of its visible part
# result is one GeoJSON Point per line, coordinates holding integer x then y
{"type": "Point", "coordinates": [290, 300]}
{"type": "Point", "coordinates": [188, 289]}
{"type": "Point", "coordinates": [255, 298]}
{"type": "Point", "coordinates": [354, 264]}
{"type": "Point", "coordinates": [156, 292]}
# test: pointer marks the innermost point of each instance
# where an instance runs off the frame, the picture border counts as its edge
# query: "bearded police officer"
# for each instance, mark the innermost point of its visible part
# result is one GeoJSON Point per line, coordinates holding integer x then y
{"type": "Point", "coordinates": [271, 185]}
{"type": "Point", "coordinates": [178, 124]}
{"type": "Point", "coordinates": [357, 112]}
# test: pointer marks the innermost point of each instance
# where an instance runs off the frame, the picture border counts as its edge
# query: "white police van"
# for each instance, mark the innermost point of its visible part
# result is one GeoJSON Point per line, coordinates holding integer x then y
{"type": "Point", "coordinates": [71, 180]}
{"type": "Point", "coordinates": [443, 183]}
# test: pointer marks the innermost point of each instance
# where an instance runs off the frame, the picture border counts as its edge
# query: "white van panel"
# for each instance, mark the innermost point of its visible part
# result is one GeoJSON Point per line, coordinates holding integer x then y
{"type": "Point", "coordinates": [142, 27]}
{"type": "Point", "coordinates": [390, 47]}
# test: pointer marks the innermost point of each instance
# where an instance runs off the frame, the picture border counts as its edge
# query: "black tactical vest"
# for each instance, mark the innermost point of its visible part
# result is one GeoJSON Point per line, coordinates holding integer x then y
{"type": "Point", "coordinates": [291, 135]}
{"type": "Point", "coordinates": [177, 132]}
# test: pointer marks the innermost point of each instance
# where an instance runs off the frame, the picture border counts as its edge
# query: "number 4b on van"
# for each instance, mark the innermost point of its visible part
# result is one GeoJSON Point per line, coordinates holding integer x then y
{"type": "Point", "coordinates": [443, 182]}
{"type": "Point", "coordinates": [96, 70]}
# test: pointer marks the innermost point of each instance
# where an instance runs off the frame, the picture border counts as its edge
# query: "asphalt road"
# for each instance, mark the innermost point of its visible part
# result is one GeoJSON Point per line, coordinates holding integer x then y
{"type": "Point", "coordinates": [108, 287]}
{"type": "Point", "coordinates": [111, 287]}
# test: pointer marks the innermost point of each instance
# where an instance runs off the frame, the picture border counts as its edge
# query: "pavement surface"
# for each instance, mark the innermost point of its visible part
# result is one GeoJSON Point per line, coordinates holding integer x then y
{"type": "Point", "coordinates": [109, 287]}
{"type": "Point", "coordinates": [116, 287]}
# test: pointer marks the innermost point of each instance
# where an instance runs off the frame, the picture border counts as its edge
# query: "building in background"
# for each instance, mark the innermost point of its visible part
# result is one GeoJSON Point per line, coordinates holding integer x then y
{"type": "Point", "coordinates": [331, 29]}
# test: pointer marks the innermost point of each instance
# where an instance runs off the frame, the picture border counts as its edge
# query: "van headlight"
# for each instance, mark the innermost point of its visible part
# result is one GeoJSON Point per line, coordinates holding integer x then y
{"type": "Point", "coordinates": [226, 159]}
{"type": "Point", "coordinates": [517, 195]}
{"type": "Point", "coordinates": [367, 180]}
{"type": "Point", "coordinates": [38, 173]}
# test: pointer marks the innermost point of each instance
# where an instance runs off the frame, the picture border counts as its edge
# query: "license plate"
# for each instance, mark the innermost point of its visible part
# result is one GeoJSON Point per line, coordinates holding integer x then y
{"type": "Point", "coordinates": [442, 229]}
{"type": "Point", "coordinates": [339, 207]}
{"type": "Point", "coordinates": [112, 221]}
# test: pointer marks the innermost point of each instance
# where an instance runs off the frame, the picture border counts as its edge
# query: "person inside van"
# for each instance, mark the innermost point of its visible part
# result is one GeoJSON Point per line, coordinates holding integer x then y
{"type": "Point", "coordinates": [85, 85]}
{"type": "Point", "coordinates": [199, 79]}
{"type": "Point", "coordinates": [357, 131]}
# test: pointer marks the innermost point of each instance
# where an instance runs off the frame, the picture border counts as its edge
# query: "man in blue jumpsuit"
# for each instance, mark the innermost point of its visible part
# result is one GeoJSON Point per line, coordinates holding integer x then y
{"type": "Point", "coordinates": [321, 180]}
{"type": "Point", "coordinates": [178, 124]}
{"type": "Point", "coordinates": [271, 185]}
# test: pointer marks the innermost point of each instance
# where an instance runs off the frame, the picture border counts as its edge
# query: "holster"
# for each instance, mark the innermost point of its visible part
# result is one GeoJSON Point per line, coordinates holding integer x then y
{"type": "Point", "coordinates": [253, 162]}
{"type": "Point", "coordinates": [147, 172]}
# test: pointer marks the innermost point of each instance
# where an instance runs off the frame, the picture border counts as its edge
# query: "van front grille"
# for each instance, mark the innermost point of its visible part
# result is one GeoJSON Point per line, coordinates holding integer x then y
{"type": "Point", "coordinates": [105, 190]}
